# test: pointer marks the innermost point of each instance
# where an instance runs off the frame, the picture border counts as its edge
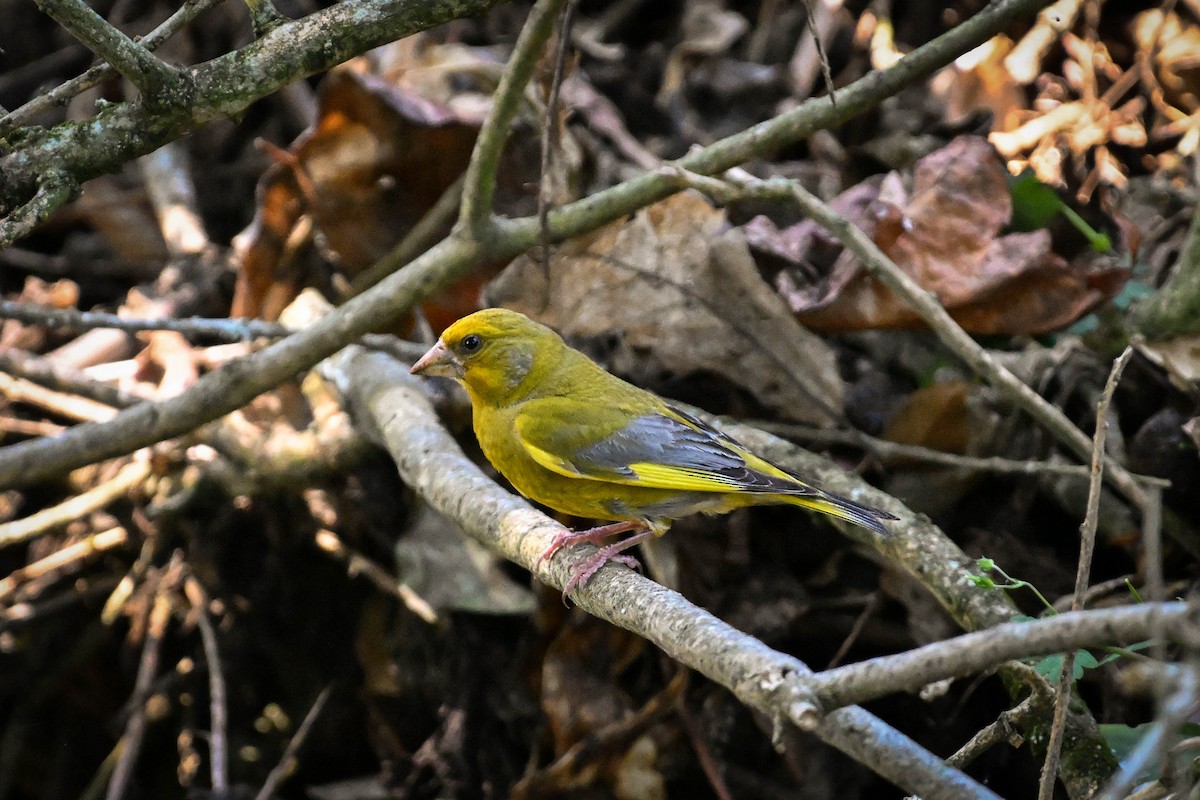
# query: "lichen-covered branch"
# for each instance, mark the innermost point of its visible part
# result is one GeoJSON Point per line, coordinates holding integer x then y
{"type": "Point", "coordinates": [102, 72]}
{"type": "Point", "coordinates": [222, 87]}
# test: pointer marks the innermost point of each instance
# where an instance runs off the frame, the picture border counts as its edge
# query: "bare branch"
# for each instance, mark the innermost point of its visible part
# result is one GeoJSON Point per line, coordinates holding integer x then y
{"type": "Point", "coordinates": [219, 88]}
{"type": "Point", "coordinates": [485, 158]}
{"type": "Point", "coordinates": [54, 190]}
{"type": "Point", "coordinates": [48, 519]}
{"type": "Point", "coordinates": [978, 652]}
{"type": "Point", "coordinates": [127, 57]}
{"type": "Point", "coordinates": [218, 755]}
{"type": "Point", "coordinates": [287, 761]}
{"type": "Point", "coordinates": [1087, 546]}
{"type": "Point", "coordinates": [229, 330]}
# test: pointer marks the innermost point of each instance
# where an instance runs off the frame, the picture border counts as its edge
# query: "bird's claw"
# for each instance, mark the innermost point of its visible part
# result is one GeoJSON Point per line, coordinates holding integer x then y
{"type": "Point", "coordinates": [584, 569]}
{"type": "Point", "coordinates": [593, 535]}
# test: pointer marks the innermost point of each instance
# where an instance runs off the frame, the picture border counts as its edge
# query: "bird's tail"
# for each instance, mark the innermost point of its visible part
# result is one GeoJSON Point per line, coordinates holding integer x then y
{"type": "Point", "coordinates": [840, 507]}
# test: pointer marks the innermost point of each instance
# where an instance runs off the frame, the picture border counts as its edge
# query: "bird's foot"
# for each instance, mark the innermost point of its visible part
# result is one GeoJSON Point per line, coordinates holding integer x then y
{"type": "Point", "coordinates": [583, 569]}
{"type": "Point", "coordinates": [592, 535]}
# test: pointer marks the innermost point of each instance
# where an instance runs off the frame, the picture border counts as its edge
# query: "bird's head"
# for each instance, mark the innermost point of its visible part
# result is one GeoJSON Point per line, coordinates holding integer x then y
{"type": "Point", "coordinates": [493, 352]}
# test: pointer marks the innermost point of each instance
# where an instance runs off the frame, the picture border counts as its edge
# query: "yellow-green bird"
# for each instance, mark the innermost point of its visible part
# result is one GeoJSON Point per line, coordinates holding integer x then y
{"type": "Point", "coordinates": [571, 436]}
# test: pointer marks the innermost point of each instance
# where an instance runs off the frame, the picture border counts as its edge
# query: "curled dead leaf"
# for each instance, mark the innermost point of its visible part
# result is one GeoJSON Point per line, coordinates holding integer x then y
{"type": "Point", "coordinates": [945, 234]}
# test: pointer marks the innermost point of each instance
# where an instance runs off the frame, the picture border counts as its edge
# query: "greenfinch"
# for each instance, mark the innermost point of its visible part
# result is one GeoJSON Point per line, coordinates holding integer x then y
{"type": "Point", "coordinates": [571, 436]}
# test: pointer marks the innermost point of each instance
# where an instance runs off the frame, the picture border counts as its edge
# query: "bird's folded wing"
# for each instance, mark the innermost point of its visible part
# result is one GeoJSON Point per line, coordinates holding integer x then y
{"type": "Point", "coordinates": [664, 449]}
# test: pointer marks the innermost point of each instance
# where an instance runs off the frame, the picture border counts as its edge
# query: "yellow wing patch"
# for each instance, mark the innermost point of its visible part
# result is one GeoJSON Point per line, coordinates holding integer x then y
{"type": "Point", "coordinates": [663, 476]}
{"type": "Point", "coordinates": [551, 461]}
{"type": "Point", "coordinates": [655, 476]}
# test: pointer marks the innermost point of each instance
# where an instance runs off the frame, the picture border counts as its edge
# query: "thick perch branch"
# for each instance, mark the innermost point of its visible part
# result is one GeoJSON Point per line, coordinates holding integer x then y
{"type": "Point", "coordinates": [385, 398]}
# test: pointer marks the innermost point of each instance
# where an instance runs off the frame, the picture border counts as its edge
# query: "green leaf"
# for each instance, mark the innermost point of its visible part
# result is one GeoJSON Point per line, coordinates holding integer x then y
{"type": "Point", "coordinates": [1034, 203]}
{"type": "Point", "coordinates": [1050, 667]}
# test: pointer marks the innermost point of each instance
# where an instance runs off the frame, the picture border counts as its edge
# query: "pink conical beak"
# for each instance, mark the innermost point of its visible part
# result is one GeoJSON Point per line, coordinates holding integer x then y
{"type": "Point", "coordinates": [438, 361]}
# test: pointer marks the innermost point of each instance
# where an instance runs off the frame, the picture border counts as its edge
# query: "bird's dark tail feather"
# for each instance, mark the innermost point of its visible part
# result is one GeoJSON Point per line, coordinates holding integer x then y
{"type": "Point", "coordinates": [840, 507]}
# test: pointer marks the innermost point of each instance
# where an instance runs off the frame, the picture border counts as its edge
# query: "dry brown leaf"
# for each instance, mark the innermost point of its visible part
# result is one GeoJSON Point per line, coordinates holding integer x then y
{"type": "Point", "coordinates": [935, 417]}
{"type": "Point", "coordinates": [675, 284]}
{"type": "Point", "coordinates": [946, 236]}
{"type": "Point", "coordinates": [377, 159]}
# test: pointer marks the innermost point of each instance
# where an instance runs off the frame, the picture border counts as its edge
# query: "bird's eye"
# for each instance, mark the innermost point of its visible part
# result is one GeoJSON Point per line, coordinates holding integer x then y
{"type": "Point", "coordinates": [471, 343]}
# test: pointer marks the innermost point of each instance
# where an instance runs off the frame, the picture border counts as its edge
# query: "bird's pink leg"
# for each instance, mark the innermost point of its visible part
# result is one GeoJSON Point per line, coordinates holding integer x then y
{"type": "Point", "coordinates": [584, 569]}
{"type": "Point", "coordinates": [591, 535]}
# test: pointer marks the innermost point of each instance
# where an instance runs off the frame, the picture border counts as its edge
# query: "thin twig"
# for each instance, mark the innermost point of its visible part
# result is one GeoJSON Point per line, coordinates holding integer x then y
{"type": "Point", "coordinates": [287, 762]}
{"type": "Point", "coordinates": [358, 564]}
{"type": "Point", "coordinates": [882, 448]}
{"type": "Point", "coordinates": [1004, 729]}
{"type": "Point", "coordinates": [551, 133]}
{"type": "Point", "coordinates": [1152, 556]}
{"type": "Point", "coordinates": [218, 749]}
{"type": "Point", "coordinates": [96, 543]}
{"type": "Point", "coordinates": [1087, 546]}
{"type": "Point", "coordinates": [818, 38]}
{"type": "Point", "coordinates": [613, 737]}
{"type": "Point", "coordinates": [135, 728]}
{"type": "Point", "coordinates": [418, 239]}
{"type": "Point", "coordinates": [695, 732]}
{"type": "Point", "coordinates": [869, 610]}
{"type": "Point", "coordinates": [480, 186]}
{"type": "Point", "coordinates": [971, 653]}
{"type": "Point", "coordinates": [226, 330]}
{"type": "Point", "coordinates": [26, 365]}
{"type": "Point", "coordinates": [73, 407]}
{"type": "Point", "coordinates": [54, 191]}
{"type": "Point", "coordinates": [127, 57]}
